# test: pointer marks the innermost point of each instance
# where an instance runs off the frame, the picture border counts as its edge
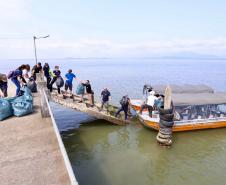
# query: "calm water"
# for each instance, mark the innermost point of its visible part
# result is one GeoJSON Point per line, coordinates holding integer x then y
{"type": "Point", "coordinates": [127, 76]}
{"type": "Point", "coordinates": [104, 154]}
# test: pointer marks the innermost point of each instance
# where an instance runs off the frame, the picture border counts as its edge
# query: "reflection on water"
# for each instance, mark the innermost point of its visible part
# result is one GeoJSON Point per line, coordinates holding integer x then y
{"type": "Point", "coordinates": [104, 154]}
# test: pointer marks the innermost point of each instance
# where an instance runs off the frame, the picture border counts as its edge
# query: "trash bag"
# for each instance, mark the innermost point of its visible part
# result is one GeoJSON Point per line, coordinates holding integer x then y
{"type": "Point", "coordinates": [60, 82]}
{"type": "Point", "coordinates": [80, 89]}
{"type": "Point", "coordinates": [31, 84]}
{"type": "Point", "coordinates": [23, 105]}
{"type": "Point", "coordinates": [5, 109]}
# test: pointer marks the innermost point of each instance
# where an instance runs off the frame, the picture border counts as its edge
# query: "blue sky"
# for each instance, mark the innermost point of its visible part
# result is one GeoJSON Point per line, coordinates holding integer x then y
{"type": "Point", "coordinates": [112, 28]}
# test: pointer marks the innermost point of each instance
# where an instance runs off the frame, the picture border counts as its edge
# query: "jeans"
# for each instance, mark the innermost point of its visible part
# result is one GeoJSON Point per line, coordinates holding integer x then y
{"type": "Point", "coordinates": [122, 108]}
{"type": "Point", "coordinates": [17, 83]}
{"type": "Point", "coordinates": [145, 106]}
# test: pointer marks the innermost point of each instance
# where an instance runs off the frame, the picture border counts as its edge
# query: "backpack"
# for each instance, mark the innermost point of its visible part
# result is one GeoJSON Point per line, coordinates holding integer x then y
{"type": "Point", "coordinates": [10, 74]}
{"type": "Point", "coordinates": [124, 101]}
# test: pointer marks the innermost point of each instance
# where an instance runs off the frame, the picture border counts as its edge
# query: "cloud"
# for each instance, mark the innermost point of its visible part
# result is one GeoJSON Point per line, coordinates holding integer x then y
{"type": "Point", "coordinates": [91, 47]}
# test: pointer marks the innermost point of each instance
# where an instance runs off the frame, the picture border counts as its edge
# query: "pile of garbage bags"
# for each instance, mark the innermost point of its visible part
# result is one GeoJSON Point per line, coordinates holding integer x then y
{"type": "Point", "coordinates": [17, 106]}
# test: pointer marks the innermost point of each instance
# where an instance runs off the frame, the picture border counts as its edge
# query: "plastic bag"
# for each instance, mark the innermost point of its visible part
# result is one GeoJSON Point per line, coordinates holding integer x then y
{"type": "Point", "coordinates": [60, 82]}
{"type": "Point", "coordinates": [5, 109]}
{"type": "Point", "coordinates": [31, 84]}
{"type": "Point", "coordinates": [23, 105]}
{"type": "Point", "coordinates": [80, 89]}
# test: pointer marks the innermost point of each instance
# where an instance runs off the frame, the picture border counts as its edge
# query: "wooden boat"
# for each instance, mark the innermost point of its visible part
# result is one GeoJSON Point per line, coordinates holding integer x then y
{"type": "Point", "coordinates": [196, 107]}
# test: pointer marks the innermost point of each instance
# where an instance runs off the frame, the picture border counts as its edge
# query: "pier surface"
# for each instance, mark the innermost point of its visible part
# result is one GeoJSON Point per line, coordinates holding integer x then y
{"type": "Point", "coordinates": [29, 151]}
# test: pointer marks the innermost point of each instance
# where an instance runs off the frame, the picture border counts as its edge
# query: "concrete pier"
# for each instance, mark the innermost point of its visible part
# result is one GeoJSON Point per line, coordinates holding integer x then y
{"type": "Point", "coordinates": [30, 153]}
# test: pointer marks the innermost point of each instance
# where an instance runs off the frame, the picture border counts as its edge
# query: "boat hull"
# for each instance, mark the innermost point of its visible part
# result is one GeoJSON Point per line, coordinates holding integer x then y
{"type": "Point", "coordinates": [186, 126]}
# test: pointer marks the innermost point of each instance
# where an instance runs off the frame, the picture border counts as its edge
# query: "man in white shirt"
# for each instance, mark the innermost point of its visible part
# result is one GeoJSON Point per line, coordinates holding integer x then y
{"type": "Point", "coordinates": [149, 103]}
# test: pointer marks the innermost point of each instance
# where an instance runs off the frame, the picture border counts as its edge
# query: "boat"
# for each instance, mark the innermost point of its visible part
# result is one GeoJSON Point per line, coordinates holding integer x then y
{"type": "Point", "coordinates": [195, 107]}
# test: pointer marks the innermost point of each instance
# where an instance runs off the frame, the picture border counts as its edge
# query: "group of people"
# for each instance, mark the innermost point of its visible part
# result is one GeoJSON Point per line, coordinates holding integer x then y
{"type": "Point", "coordinates": [153, 101]}
{"type": "Point", "coordinates": [20, 76]}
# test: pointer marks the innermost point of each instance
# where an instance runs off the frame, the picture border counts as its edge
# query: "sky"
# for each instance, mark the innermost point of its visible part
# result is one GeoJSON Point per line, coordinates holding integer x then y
{"type": "Point", "coordinates": [113, 28]}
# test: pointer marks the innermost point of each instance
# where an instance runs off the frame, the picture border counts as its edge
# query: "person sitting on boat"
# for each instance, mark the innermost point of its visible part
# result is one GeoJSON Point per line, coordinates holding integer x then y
{"type": "Point", "coordinates": [105, 97]}
{"type": "Point", "coordinates": [68, 83]}
{"type": "Point", "coordinates": [125, 101]}
{"type": "Point", "coordinates": [149, 103]}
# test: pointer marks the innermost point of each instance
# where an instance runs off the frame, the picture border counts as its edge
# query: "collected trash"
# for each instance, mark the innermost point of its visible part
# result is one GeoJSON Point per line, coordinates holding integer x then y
{"type": "Point", "coordinates": [60, 82]}
{"type": "Point", "coordinates": [31, 84]}
{"type": "Point", "coordinates": [5, 109]}
{"type": "Point", "coordinates": [17, 106]}
{"type": "Point", "coordinates": [23, 105]}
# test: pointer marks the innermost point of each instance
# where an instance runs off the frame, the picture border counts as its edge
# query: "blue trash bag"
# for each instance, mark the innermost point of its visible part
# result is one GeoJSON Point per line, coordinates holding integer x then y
{"type": "Point", "coordinates": [5, 109]}
{"type": "Point", "coordinates": [80, 89]}
{"type": "Point", "coordinates": [23, 105]}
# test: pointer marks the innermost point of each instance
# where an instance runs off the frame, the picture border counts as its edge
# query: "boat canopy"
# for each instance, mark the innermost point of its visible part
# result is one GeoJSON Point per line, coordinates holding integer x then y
{"type": "Point", "coordinates": [199, 99]}
{"type": "Point", "coordinates": [183, 95]}
{"type": "Point", "coordinates": [186, 88]}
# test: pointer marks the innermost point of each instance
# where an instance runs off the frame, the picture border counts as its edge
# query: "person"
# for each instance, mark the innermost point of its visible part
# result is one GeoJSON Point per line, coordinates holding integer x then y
{"type": "Point", "coordinates": [125, 101]}
{"type": "Point", "coordinates": [80, 90]}
{"type": "Point", "coordinates": [3, 85]}
{"type": "Point", "coordinates": [17, 77]}
{"type": "Point", "coordinates": [69, 79]}
{"type": "Point", "coordinates": [159, 103]}
{"type": "Point", "coordinates": [36, 69]}
{"type": "Point", "coordinates": [105, 97]}
{"type": "Point", "coordinates": [149, 103]}
{"type": "Point", "coordinates": [48, 74]}
{"type": "Point", "coordinates": [57, 74]}
{"type": "Point", "coordinates": [89, 92]}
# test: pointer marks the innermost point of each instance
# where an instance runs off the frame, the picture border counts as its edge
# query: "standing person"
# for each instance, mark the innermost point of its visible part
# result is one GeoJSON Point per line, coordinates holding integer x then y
{"type": "Point", "coordinates": [69, 79]}
{"type": "Point", "coordinates": [105, 97]}
{"type": "Point", "coordinates": [57, 74]}
{"type": "Point", "coordinates": [89, 92]}
{"type": "Point", "coordinates": [36, 69]}
{"type": "Point", "coordinates": [48, 74]}
{"type": "Point", "coordinates": [159, 103]}
{"type": "Point", "coordinates": [125, 101]}
{"type": "Point", "coordinates": [3, 85]}
{"type": "Point", "coordinates": [149, 103]}
{"type": "Point", "coordinates": [17, 77]}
